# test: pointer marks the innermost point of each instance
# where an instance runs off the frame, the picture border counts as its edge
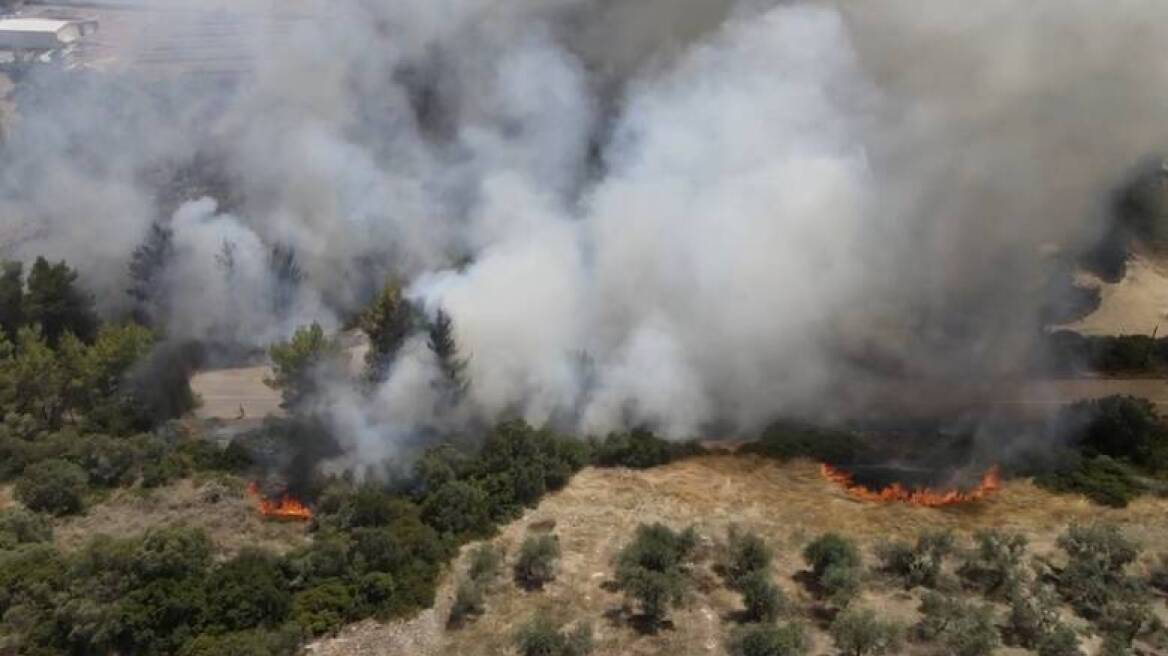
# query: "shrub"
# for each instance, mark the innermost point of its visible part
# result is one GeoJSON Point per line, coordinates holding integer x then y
{"type": "Point", "coordinates": [543, 637]}
{"type": "Point", "coordinates": [651, 569]}
{"type": "Point", "coordinates": [764, 600]}
{"type": "Point", "coordinates": [1122, 620]}
{"type": "Point", "coordinates": [458, 508]}
{"type": "Point", "coordinates": [787, 441]}
{"type": "Point", "coordinates": [53, 486]}
{"type": "Point", "coordinates": [746, 554]}
{"type": "Point", "coordinates": [19, 527]}
{"type": "Point", "coordinates": [996, 563]}
{"type": "Point", "coordinates": [920, 564]}
{"type": "Point", "coordinates": [284, 641]}
{"type": "Point", "coordinates": [1100, 479]}
{"type": "Point", "coordinates": [1094, 575]}
{"type": "Point", "coordinates": [1060, 641]}
{"type": "Point", "coordinates": [536, 564]}
{"type": "Point", "coordinates": [485, 562]}
{"type": "Point", "coordinates": [1158, 576]}
{"type": "Point", "coordinates": [248, 591]}
{"type": "Point", "coordinates": [1033, 615]}
{"type": "Point", "coordinates": [468, 603]}
{"type": "Point", "coordinates": [1123, 427]}
{"type": "Point", "coordinates": [762, 640]}
{"type": "Point", "coordinates": [835, 563]}
{"type": "Point", "coordinates": [858, 632]}
{"type": "Point", "coordinates": [323, 608]}
{"type": "Point", "coordinates": [641, 449]}
{"type": "Point", "coordinates": [964, 629]}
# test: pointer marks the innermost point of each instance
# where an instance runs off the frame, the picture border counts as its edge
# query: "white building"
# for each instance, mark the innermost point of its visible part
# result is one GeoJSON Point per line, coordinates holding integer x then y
{"type": "Point", "coordinates": [24, 34]}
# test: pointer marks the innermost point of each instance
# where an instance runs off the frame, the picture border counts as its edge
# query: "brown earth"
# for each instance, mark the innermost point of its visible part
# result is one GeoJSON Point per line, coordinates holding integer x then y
{"type": "Point", "coordinates": [788, 504]}
{"type": "Point", "coordinates": [1136, 305]}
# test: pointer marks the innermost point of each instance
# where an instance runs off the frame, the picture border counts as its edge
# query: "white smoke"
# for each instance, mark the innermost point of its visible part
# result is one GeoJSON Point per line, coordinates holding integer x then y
{"type": "Point", "coordinates": [688, 214]}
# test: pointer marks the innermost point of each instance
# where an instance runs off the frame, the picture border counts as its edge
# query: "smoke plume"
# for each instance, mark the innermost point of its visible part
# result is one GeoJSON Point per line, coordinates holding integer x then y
{"type": "Point", "coordinates": [693, 215]}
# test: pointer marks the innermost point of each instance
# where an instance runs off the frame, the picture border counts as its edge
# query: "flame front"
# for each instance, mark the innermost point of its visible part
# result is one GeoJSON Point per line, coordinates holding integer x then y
{"type": "Point", "coordinates": [991, 482]}
{"type": "Point", "coordinates": [286, 507]}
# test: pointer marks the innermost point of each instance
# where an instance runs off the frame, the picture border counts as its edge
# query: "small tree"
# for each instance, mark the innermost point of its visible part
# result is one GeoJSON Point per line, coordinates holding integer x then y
{"type": "Point", "coordinates": [468, 603]}
{"type": "Point", "coordinates": [1033, 615]}
{"type": "Point", "coordinates": [964, 629]}
{"type": "Point", "coordinates": [1061, 641]}
{"type": "Point", "coordinates": [1098, 556]}
{"type": "Point", "coordinates": [458, 508]}
{"type": "Point", "coordinates": [995, 566]}
{"type": "Point", "coordinates": [298, 362]}
{"type": "Point", "coordinates": [920, 564]}
{"type": "Point", "coordinates": [858, 632]}
{"type": "Point", "coordinates": [652, 570]}
{"type": "Point", "coordinates": [57, 304]}
{"type": "Point", "coordinates": [53, 486]}
{"type": "Point", "coordinates": [485, 562]}
{"type": "Point", "coordinates": [543, 637]}
{"type": "Point", "coordinates": [148, 264]}
{"type": "Point", "coordinates": [835, 563]}
{"type": "Point", "coordinates": [452, 365]}
{"type": "Point", "coordinates": [763, 599]}
{"type": "Point", "coordinates": [388, 321]}
{"type": "Point", "coordinates": [763, 640]}
{"type": "Point", "coordinates": [747, 554]}
{"type": "Point", "coordinates": [19, 526]}
{"type": "Point", "coordinates": [11, 298]}
{"type": "Point", "coordinates": [536, 564]}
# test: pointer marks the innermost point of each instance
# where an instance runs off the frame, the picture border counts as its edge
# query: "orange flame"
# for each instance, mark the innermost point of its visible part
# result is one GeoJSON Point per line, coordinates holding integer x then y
{"type": "Point", "coordinates": [991, 482]}
{"type": "Point", "coordinates": [286, 507]}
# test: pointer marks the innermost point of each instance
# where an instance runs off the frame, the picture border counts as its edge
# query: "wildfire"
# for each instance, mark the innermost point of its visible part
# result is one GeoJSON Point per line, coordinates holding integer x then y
{"type": "Point", "coordinates": [286, 507]}
{"type": "Point", "coordinates": [991, 482]}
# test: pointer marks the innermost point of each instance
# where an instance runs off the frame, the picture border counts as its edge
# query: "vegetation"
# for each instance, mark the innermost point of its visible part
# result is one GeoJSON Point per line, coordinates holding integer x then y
{"type": "Point", "coordinates": [768, 640]}
{"type": "Point", "coordinates": [641, 449]}
{"type": "Point", "coordinates": [764, 601]}
{"type": "Point", "coordinates": [1116, 355]}
{"type": "Point", "coordinates": [652, 570]}
{"type": "Point", "coordinates": [52, 486]}
{"type": "Point", "coordinates": [1102, 479]}
{"type": "Point", "coordinates": [919, 564]}
{"type": "Point", "coordinates": [788, 441]}
{"type": "Point", "coordinates": [543, 637]}
{"type": "Point", "coordinates": [298, 363]}
{"type": "Point", "coordinates": [453, 382]}
{"type": "Point", "coordinates": [537, 561]}
{"type": "Point", "coordinates": [388, 321]}
{"type": "Point", "coordinates": [964, 629]}
{"type": "Point", "coordinates": [470, 594]}
{"type": "Point", "coordinates": [746, 555]}
{"type": "Point", "coordinates": [996, 565]}
{"type": "Point", "coordinates": [836, 566]}
{"type": "Point", "coordinates": [858, 632]}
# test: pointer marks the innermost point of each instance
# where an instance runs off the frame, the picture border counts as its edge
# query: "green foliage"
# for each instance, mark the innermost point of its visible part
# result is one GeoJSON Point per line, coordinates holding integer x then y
{"type": "Point", "coordinates": [1158, 576]}
{"type": "Point", "coordinates": [763, 600]}
{"type": "Point", "coordinates": [641, 449]}
{"type": "Point", "coordinates": [57, 304]}
{"type": "Point", "coordinates": [284, 641]}
{"type": "Point", "coordinates": [247, 591]}
{"type": "Point", "coordinates": [835, 563]}
{"type": "Point", "coordinates": [995, 566]}
{"type": "Point", "coordinates": [442, 344]}
{"type": "Point", "coordinates": [537, 561]}
{"type": "Point", "coordinates": [485, 563]}
{"type": "Point", "coordinates": [1098, 556]}
{"type": "Point", "coordinates": [458, 508]}
{"type": "Point", "coordinates": [299, 362]}
{"type": "Point", "coordinates": [1033, 615]}
{"type": "Point", "coordinates": [53, 486]}
{"type": "Point", "coordinates": [918, 565]}
{"type": "Point", "coordinates": [20, 527]}
{"type": "Point", "coordinates": [1100, 479]}
{"type": "Point", "coordinates": [964, 629]}
{"type": "Point", "coordinates": [1123, 427]}
{"type": "Point", "coordinates": [324, 608]}
{"type": "Point", "coordinates": [652, 569]}
{"type": "Point", "coordinates": [388, 321]}
{"type": "Point", "coordinates": [859, 632]}
{"type": "Point", "coordinates": [765, 640]}
{"type": "Point", "coordinates": [1107, 354]}
{"type": "Point", "coordinates": [518, 464]}
{"type": "Point", "coordinates": [543, 637]}
{"type": "Point", "coordinates": [1061, 641]}
{"type": "Point", "coordinates": [468, 603]}
{"type": "Point", "coordinates": [11, 298]}
{"type": "Point", "coordinates": [788, 441]}
{"type": "Point", "coordinates": [746, 554]}
{"type": "Point", "coordinates": [147, 267]}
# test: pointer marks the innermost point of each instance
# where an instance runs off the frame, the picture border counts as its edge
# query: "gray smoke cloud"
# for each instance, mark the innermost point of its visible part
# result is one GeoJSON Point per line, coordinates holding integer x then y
{"type": "Point", "coordinates": [697, 215]}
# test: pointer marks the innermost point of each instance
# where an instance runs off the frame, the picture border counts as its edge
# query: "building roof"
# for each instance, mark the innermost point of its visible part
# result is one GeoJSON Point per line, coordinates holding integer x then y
{"type": "Point", "coordinates": [33, 24]}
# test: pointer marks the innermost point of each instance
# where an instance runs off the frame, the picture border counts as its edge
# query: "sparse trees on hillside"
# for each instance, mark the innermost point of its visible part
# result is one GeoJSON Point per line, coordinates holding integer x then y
{"type": "Point", "coordinates": [652, 570]}
{"type": "Point", "coordinates": [836, 565]}
{"type": "Point", "coordinates": [538, 558]}
{"type": "Point", "coordinates": [920, 564]}
{"type": "Point", "coordinates": [859, 632]}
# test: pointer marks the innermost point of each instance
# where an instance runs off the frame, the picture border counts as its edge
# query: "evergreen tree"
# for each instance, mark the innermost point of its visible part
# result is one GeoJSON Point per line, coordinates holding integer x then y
{"type": "Point", "coordinates": [56, 302]}
{"type": "Point", "coordinates": [286, 276]}
{"type": "Point", "coordinates": [11, 298]}
{"type": "Point", "coordinates": [147, 265]}
{"type": "Point", "coordinates": [388, 321]}
{"type": "Point", "coordinates": [445, 349]}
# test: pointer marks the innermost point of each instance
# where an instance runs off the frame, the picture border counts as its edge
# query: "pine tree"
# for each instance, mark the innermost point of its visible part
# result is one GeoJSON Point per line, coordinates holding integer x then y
{"type": "Point", "coordinates": [56, 303]}
{"type": "Point", "coordinates": [11, 298]}
{"type": "Point", "coordinates": [147, 265]}
{"type": "Point", "coordinates": [445, 349]}
{"type": "Point", "coordinates": [388, 321]}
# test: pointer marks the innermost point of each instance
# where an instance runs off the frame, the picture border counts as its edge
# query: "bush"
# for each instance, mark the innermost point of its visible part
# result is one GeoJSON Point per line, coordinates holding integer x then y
{"type": "Point", "coordinates": [761, 640]}
{"type": "Point", "coordinates": [1060, 641]}
{"type": "Point", "coordinates": [641, 449]}
{"type": "Point", "coordinates": [542, 637]}
{"type": "Point", "coordinates": [1123, 427]}
{"type": "Point", "coordinates": [536, 564]}
{"type": "Point", "coordinates": [324, 608]}
{"type": "Point", "coordinates": [964, 629]}
{"type": "Point", "coordinates": [764, 601]}
{"type": "Point", "coordinates": [1033, 616]}
{"type": "Point", "coordinates": [651, 569]}
{"type": "Point", "coordinates": [1095, 573]}
{"type": "Point", "coordinates": [247, 591]}
{"type": "Point", "coordinates": [107, 462]}
{"type": "Point", "coordinates": [995, 567]}
{"type": "Point", "coordinates": [281, 642]}
{"type": "Point", "coordinates": [485, 562]}
{"type": "Point", "coordinates": [859, 632]}
{"type": "Point", "coordinates": [1100, 479]}
{"type": "Point", "coordinates": [835, 563]}
{"type": "Point", "coordinates": [19, 527]}
{"type": "Point", "coordinates": [468, 603]}
{"type": "Point", "coordinates": [746, 554]}
{"type": "Point", "coordinates": [458, 508]}
{"type": "Point", "coordinates": [918, 565]}
{"type": "Point", "coordinates": [53, 486]}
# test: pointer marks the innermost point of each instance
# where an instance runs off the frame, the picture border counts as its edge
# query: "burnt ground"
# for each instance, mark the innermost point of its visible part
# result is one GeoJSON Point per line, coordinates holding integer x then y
{"type": "Point", "coordinates": [788, 504]}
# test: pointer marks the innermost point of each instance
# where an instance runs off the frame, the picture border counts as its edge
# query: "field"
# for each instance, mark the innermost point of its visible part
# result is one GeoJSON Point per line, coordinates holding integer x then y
{"type": "Point", "coordinates": [787, 504]}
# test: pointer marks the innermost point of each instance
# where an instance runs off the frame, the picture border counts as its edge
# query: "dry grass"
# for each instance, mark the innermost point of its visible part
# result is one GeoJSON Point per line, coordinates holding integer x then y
{"type": "Point", "coordinates": [787, 504]}
{"type": "Point", "coordinates": [1135, 305]}
{"type": "Point", "coordinates": [217, 505]}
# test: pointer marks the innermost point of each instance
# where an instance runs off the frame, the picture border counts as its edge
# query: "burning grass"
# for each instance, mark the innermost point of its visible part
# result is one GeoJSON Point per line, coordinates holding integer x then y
{"type": "Point", "coordinates": [281, 507]}
{"type": "Point", "coordinates": [787, 504]}
{"type": "Point", "coordinates": [897, 492]}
